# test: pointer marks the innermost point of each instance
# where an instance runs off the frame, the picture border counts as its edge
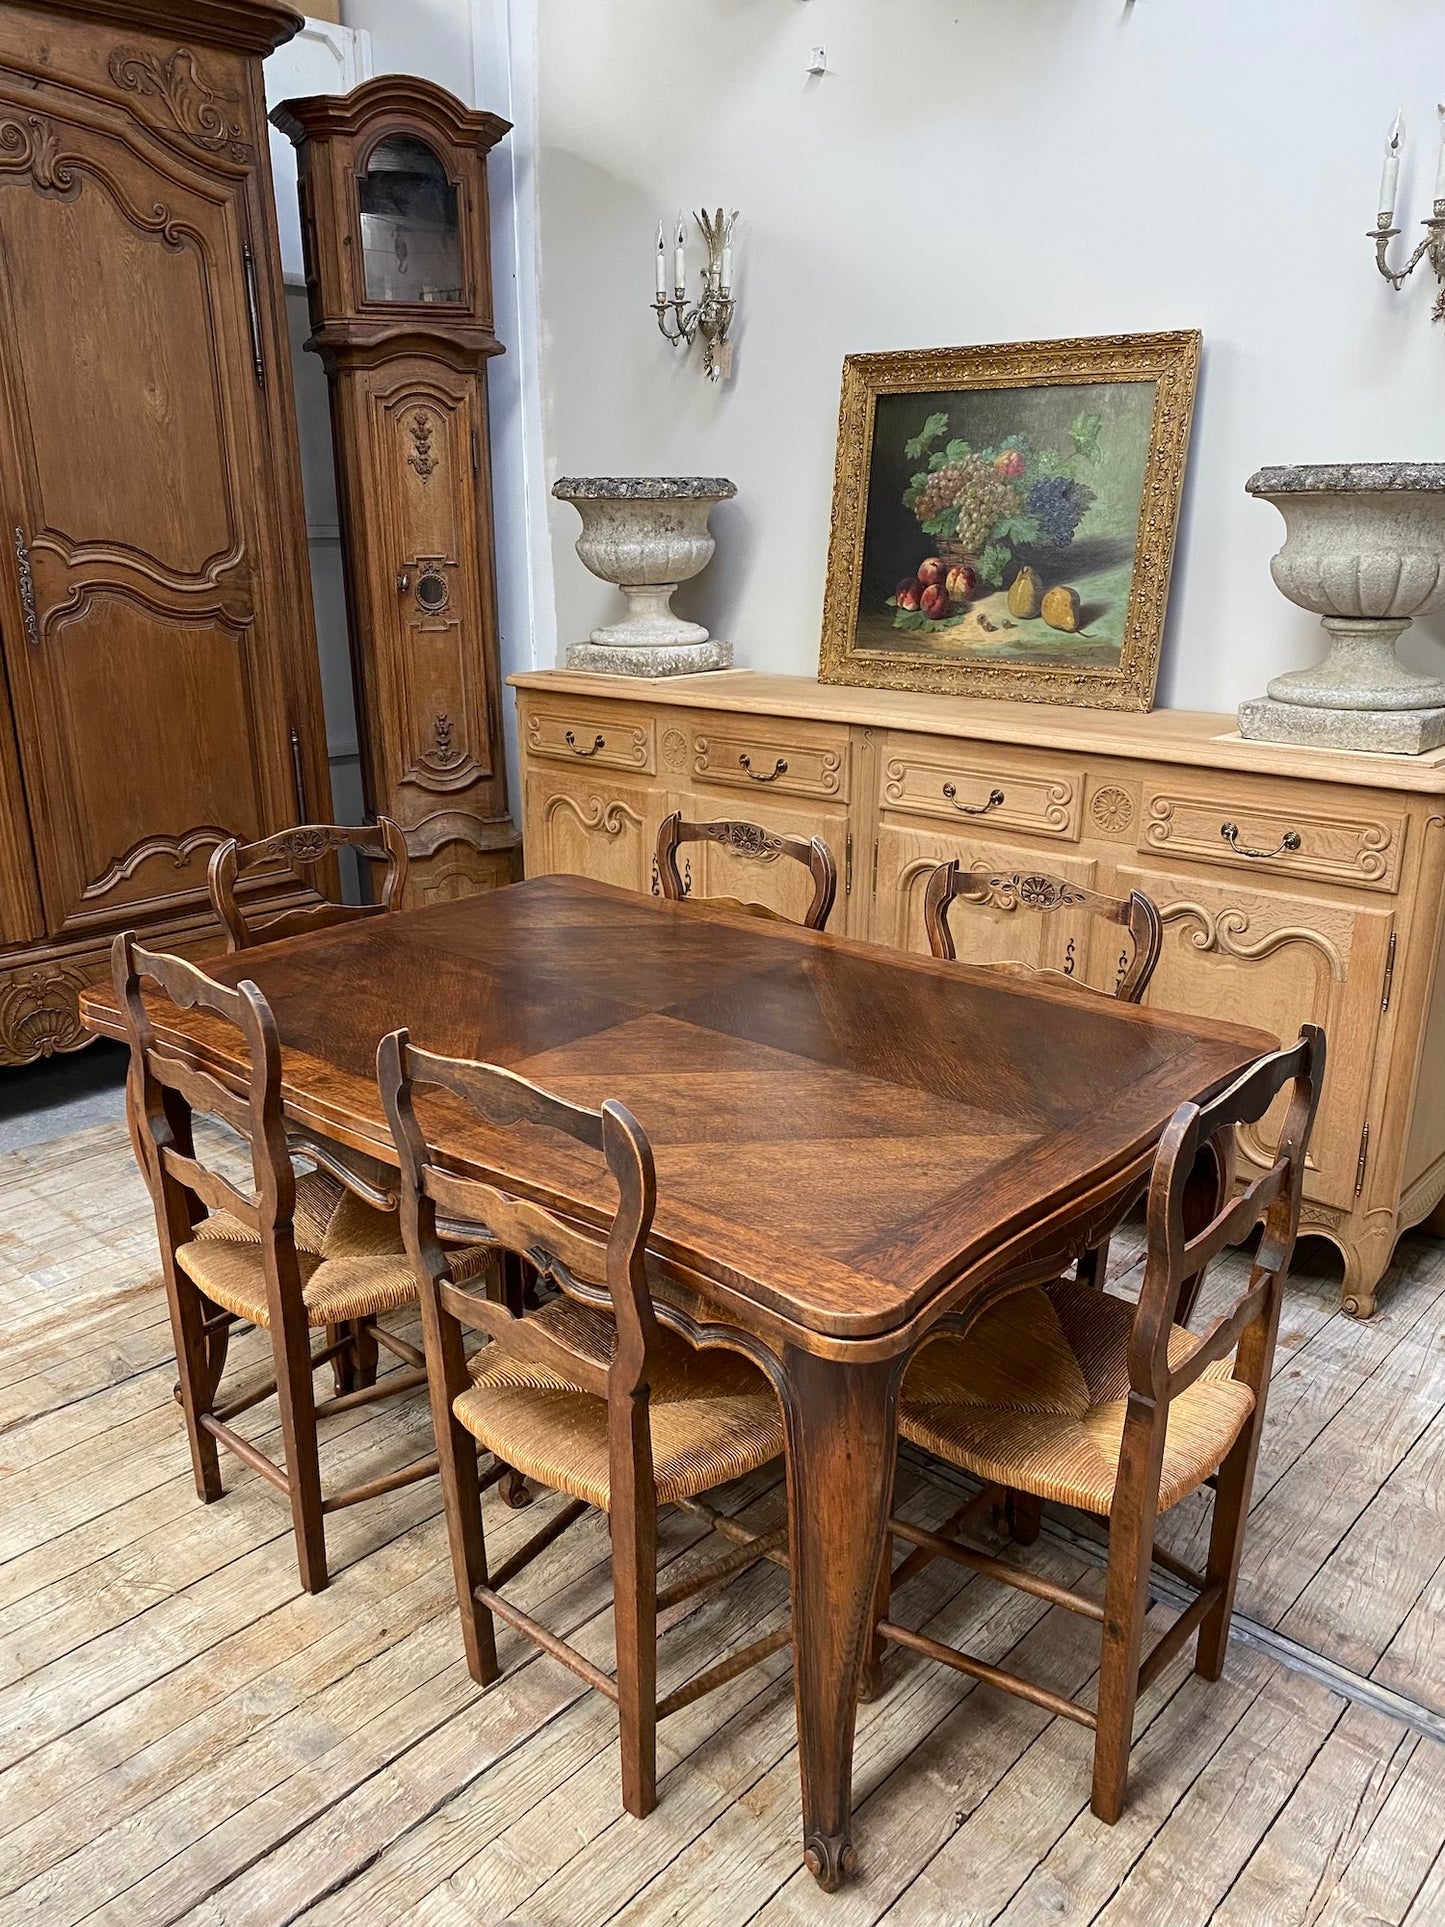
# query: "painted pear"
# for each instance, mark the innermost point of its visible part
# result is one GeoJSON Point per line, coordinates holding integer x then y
{"type": "Point", "coordinates": [1026, 594]}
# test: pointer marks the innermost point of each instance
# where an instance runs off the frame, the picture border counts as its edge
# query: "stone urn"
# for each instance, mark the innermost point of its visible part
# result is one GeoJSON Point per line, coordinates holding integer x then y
{"type": "Point", "coordinates": [1364, 549]}
{"type": "Point", "coordinates": [646, 534]}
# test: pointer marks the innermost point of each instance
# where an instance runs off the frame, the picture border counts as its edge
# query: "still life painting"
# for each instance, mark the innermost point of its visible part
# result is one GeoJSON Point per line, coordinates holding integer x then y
{"type": "Point", "coordinates": [1004, 517]}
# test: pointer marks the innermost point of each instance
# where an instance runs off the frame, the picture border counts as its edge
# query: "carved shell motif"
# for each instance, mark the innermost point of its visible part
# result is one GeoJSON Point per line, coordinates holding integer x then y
{"type": "Point", "coordinates": [39, 1015]}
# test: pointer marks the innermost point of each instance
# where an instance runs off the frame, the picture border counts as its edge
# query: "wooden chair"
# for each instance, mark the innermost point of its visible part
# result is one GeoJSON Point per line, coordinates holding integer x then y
{"type": "Point", "coordinates": [585, 1393]}
{"type": "Point", "coordinates": [295, 1254]}
{"type": "Point", "coordinates": [748, 839]}
{"type": "Point", "coordinates": [1039, 892]}
{"type": "Point", "coordinates": [1135, 913]}
{"type": "Point", "coordinates": [1073, 1395]}
{"type": "Point", "coordinates": [303, 848]}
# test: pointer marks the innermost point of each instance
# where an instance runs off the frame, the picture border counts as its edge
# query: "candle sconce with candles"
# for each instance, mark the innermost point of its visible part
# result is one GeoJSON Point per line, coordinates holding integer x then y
{"type": "Point", "coordinates": [712, 316]}
{"type": "Point", "coordinates": [1432, 247]}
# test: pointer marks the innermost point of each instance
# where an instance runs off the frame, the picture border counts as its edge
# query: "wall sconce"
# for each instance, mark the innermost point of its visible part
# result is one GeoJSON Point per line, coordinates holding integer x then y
{"type": "Point", "coordinates": [1432, 247]}
{"type": "Point", "coordinates": [712, 317]}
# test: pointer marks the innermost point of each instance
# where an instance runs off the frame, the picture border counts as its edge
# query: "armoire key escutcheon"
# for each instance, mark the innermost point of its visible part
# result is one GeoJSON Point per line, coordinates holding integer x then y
{"type": "Point", "coordinates": [161, 689]}
{"type": "Point", "coordinates": [393, 186]}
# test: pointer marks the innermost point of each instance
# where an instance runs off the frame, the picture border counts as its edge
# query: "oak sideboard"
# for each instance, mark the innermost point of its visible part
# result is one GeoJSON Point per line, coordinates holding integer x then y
{"type": "Point", "coordinates": [1293, 883]}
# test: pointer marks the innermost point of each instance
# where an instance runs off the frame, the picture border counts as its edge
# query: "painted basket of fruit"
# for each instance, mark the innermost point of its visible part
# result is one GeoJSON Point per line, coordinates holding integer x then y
{"type": "Point", "coordinates": [994, 516]}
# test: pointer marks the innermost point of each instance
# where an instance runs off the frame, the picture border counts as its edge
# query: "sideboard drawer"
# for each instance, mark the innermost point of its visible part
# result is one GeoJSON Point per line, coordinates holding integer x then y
{"type": "Point", "coordinates": [968, 781]}
{"type": "Point", "coordinates": [787, 758]}
{"type": "Point", "coordinates": [1251, 828]}
{"type": "Point", "coordinates": [575, 733]}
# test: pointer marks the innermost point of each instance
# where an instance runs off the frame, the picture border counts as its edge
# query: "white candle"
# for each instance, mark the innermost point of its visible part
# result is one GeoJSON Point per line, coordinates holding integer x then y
{"type": "Point", "coordinates": [679, 259]}
{"type": "Point", "coordinates": [1440, 170]}
{"type": "Point", "coordinates": [1390, 175]}
{"type": "Point", "coordinates": [661, 263]}
{"type": "Point", "coordinates": [725, 271]}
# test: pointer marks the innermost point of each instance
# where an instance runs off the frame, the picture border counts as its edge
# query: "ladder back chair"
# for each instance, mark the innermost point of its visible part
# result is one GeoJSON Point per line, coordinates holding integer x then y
{"type": "Point", "coordinates": [1136, 914]}
{"type": "Point", "coordinates": [294, 1254]}
{"type": "Point", "coordinates": [304, 847]}
{"type": "Point", "coordinates": [1077, 1396]}
{"type": "Point", "coordinates": [585, 1393]}
{"type": "Point", "coordinates": [750, 840]}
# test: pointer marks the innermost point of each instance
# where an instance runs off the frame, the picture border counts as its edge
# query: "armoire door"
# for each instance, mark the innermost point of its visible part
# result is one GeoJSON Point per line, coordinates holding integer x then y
{"type": "Point", "coordinates": [144, 598]}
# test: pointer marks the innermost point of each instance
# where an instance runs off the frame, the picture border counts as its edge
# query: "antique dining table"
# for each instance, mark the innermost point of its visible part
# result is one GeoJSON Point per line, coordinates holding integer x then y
{"type": "Point", "coordinates": [851, 1144]}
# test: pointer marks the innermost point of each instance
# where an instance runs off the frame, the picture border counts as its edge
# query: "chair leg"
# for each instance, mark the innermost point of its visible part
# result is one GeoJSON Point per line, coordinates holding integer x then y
{"type": "Point", "coordinates": [633, 1520]}
{"type": "Point", "coordinates": [447, 1376]}
{"type": "Point", "coordinates": [343, 1365]}
{"type": "Point", "coordinates": [197, 1379]}
{"type": "Point", "coordinates": [296, 1396]}
{"type": "Point", "coordinates": [366, 1350]}
{"type": "Point", "coordinates": [870, 1683]}
{"type": "Point", "coordinates": [1023, 1515]}
{"type": "Point", "coordinates": [1093, 1266]}
{"type": "Point", "coordinates": [1126, 1601]}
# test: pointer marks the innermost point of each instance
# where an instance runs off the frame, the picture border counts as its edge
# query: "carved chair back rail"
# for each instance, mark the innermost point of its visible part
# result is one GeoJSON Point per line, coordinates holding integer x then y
{"type": "Point", "coordinates": [305, 848]}
{"type": "Point", "coordinates": [748, 840]}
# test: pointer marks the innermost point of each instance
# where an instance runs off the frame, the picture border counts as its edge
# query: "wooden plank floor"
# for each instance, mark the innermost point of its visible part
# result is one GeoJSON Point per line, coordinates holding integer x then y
{"type": "Point", "coordinates": [184, 1736]}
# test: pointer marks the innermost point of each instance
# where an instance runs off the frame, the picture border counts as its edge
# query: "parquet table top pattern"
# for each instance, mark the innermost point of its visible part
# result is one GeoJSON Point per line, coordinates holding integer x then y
{"type": "Point", "coordinates": [838, 1129]}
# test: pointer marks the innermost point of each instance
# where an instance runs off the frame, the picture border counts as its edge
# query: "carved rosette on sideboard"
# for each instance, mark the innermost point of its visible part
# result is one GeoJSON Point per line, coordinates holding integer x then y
{"type": "Point", "coordinates": [393, 189]}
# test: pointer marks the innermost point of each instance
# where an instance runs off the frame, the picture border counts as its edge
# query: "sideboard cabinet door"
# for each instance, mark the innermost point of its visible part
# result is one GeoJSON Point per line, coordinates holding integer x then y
{"type": "Point", "coordinates": [590, 823]}
{"type": "Point", "coordinates": [1276, 960]}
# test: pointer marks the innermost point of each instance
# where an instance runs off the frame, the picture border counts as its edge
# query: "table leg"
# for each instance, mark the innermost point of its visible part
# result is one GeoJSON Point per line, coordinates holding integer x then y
{"type": "Point", "coordinates": [841, 1422]}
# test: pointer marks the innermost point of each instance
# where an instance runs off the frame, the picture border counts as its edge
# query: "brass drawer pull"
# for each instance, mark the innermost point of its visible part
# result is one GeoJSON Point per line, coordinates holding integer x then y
{"type": "Point", "coordinates": [576, 748]}
{"type": "Point", "coordinates": [1289, 842]}
{"type": "Point", "coordinates": [780, 768]}
{"type": "Point", "coordinates": [995, 798]}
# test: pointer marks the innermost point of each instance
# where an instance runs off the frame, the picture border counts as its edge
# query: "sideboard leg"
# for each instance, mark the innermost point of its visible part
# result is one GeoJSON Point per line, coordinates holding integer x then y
{"type": "Point", "coordinates": [1365, 1265]}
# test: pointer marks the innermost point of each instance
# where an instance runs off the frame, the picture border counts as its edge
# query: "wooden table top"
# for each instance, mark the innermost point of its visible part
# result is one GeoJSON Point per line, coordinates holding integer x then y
{"type": "Point", "coordinates": [839, 1130]}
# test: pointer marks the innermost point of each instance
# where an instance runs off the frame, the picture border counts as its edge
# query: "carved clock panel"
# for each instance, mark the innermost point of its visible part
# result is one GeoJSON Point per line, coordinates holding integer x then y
{"type": "Point", "coordinates": [421, 432]}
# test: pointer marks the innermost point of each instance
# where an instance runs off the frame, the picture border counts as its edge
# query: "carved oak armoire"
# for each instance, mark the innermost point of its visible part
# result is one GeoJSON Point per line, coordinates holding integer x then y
{"type": "Point", "coordinates": [393, 186]}
{"type": "Point", "coordinates": [161, 689]}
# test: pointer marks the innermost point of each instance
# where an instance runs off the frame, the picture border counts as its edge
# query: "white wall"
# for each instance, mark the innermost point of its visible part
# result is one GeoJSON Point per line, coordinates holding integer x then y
{"type": "Point", "coordinates": [985, 170]}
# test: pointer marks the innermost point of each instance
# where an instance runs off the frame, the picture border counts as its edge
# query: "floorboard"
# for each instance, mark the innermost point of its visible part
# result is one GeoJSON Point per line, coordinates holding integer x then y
{"type": "Point", "coordinates": [184, 1736]}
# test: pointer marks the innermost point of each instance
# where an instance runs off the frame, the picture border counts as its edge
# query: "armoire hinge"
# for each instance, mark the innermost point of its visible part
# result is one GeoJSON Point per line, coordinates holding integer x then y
{"type": "Point", "coordinates": [298, 774]}
{"type": "Point", "coordinates": [1364, 1154]}
{"type": "Point", "coordinates": [848, 866]}
{"type": "Point", "coordinates": [253, 312]}
{"type": "Point", "coordinates": [1389, 972]}
{"type": "Point", "coordinates": [476, 454]}
{"type": "Point", "coordinates": [875, 866]}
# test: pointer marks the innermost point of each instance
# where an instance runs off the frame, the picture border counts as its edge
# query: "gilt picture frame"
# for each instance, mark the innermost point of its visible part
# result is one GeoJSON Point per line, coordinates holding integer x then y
{"type": "Point", "coordinates": [1004, 518]}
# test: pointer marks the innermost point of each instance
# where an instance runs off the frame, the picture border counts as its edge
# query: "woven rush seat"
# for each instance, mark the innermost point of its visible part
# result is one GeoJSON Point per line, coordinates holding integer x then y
{"type": "Point", "coordinates": [351, 1257]}
{"type": "Point", "coordinates": [1034, 1395]}
{"type": "Point", "coordinates": [714, 1416]}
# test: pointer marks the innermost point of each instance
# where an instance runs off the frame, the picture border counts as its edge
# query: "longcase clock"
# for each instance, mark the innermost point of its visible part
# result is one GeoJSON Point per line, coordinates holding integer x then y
{"type": "Point", "coordinates": [393, 186]}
